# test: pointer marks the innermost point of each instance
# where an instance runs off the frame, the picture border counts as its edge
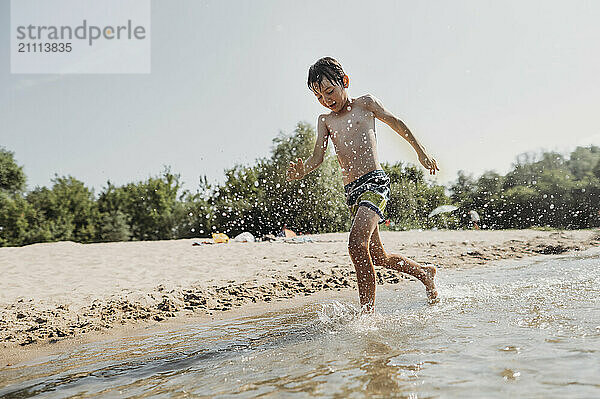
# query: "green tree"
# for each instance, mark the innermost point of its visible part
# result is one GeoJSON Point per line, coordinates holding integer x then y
{"type": "Point", "coordinates": [463, 195]}
{"type": "Point", "coordinates": [463, 189]}
{"type": "Point", "coordinates": [566, 191]}
{"type": "Point", "coordinates": [554, 202]}
{"type": "Point", "coordinates": [529, 166]}
{"type": "Point", "coordinates": [113, 226]}
{"type": "Point", "coordinates": [583, 160]}
{"type": "Point", "coordinates": [114, 221]}
{"type": "Point", "coordinates": [314, 204]}
{"type": "Point", "coordinates": [198, 214]}
{"type": "Point", "coordinates": [12, 178]}
{"type": "Point", "coordinates": [67, 211]}
{"type": "Point", "coordinates": [152, 208]}
{"type": "Point", "coordinates": [585, 200]}
{"type": "Point", "coordinates": [15, 217]}
{"type": "Point", "coordinates": [518, 210]}
{"type": "Point", "coordinates": [412, 199]}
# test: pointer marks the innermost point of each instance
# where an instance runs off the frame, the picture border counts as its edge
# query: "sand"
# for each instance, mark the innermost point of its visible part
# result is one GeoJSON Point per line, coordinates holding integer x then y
{"type": "Point", "coordinates": [57, 292]}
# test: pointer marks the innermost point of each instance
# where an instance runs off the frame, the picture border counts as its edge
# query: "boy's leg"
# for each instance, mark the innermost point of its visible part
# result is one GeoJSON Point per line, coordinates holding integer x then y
{"type": "Point", "coordinates": [378, 254]}
{"type": "Point", "coordinates": [425, 274]}
{"type": "Point", "coordinates": [363, 226]}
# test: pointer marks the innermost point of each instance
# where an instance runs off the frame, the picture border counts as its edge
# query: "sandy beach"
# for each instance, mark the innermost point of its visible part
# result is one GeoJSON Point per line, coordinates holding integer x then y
{"type": "Point", "coordinates": [62, 292]}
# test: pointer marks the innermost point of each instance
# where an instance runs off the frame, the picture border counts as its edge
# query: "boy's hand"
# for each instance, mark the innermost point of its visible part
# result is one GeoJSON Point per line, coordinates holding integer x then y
{"type": "Point", "coordinates": [428, 163]}
{"type": "Point", "coordinates": [295, 170]}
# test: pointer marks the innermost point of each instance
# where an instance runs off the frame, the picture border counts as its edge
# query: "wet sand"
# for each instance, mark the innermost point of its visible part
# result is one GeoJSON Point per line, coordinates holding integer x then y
{"type": "Point", "coordinates": [64, 293]}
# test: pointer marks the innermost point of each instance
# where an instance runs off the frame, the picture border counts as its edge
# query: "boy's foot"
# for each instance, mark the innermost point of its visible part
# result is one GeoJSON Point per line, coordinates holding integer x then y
{"type": "Point", "coordinates": [428, 281]}
{"type": "Point", "coordinates": [367, 310]}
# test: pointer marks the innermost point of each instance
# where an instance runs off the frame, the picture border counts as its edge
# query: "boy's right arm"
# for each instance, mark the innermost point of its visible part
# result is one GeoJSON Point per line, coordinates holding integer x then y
{"type": "Point", "coordinates": [300, 169]}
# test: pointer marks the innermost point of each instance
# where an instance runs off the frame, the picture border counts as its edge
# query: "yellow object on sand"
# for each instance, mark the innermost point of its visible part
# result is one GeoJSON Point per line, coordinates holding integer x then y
{"type": "Point", "coordinates": [288, 233]}
{"type": "Point", "coordinates": [220, 237]}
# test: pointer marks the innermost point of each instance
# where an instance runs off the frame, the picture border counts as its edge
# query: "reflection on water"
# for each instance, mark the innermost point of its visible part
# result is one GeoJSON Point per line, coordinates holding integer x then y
{"type": "Point", "coordinates": [527, 329]}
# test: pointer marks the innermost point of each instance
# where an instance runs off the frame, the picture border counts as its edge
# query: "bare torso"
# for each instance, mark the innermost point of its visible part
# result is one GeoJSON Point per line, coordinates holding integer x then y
{"type": "Point", "coordinates": [352, 132]}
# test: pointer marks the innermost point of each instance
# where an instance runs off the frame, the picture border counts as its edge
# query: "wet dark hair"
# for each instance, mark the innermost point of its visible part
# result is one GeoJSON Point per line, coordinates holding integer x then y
{"type": "Point", "coordinates": [325, 67]}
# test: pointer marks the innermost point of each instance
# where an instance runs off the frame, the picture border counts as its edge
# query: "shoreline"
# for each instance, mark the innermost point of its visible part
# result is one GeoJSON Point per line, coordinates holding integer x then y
{"type": "Point", "coordinates": [89, 292]}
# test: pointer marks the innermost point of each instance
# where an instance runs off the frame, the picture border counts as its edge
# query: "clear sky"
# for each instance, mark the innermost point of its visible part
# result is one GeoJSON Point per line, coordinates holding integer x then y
{"type": "Point", "coordinates": [477, 82]}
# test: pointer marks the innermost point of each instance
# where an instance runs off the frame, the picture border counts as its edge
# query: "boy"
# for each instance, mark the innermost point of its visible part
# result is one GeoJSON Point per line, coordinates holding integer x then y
{"type": "Point", "coordinates": [351, 127]}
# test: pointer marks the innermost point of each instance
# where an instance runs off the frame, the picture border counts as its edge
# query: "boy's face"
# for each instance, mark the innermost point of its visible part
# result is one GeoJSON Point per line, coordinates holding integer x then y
{"type": "Point", "coordinates": [332, 96]}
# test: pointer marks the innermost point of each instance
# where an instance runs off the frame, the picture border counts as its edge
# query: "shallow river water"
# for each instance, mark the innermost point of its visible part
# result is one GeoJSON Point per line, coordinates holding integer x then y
{"type": "Point", "coordinates": [528, 328]}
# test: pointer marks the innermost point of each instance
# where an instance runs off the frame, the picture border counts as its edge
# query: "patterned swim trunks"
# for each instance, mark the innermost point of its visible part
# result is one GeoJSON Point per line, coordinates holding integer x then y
{"type": "Point", "coordinates": [371, 190]}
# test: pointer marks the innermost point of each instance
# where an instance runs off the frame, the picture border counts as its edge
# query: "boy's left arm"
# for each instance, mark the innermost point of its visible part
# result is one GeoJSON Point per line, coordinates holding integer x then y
{"type": "Point", "coordinates": [375, 106]}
